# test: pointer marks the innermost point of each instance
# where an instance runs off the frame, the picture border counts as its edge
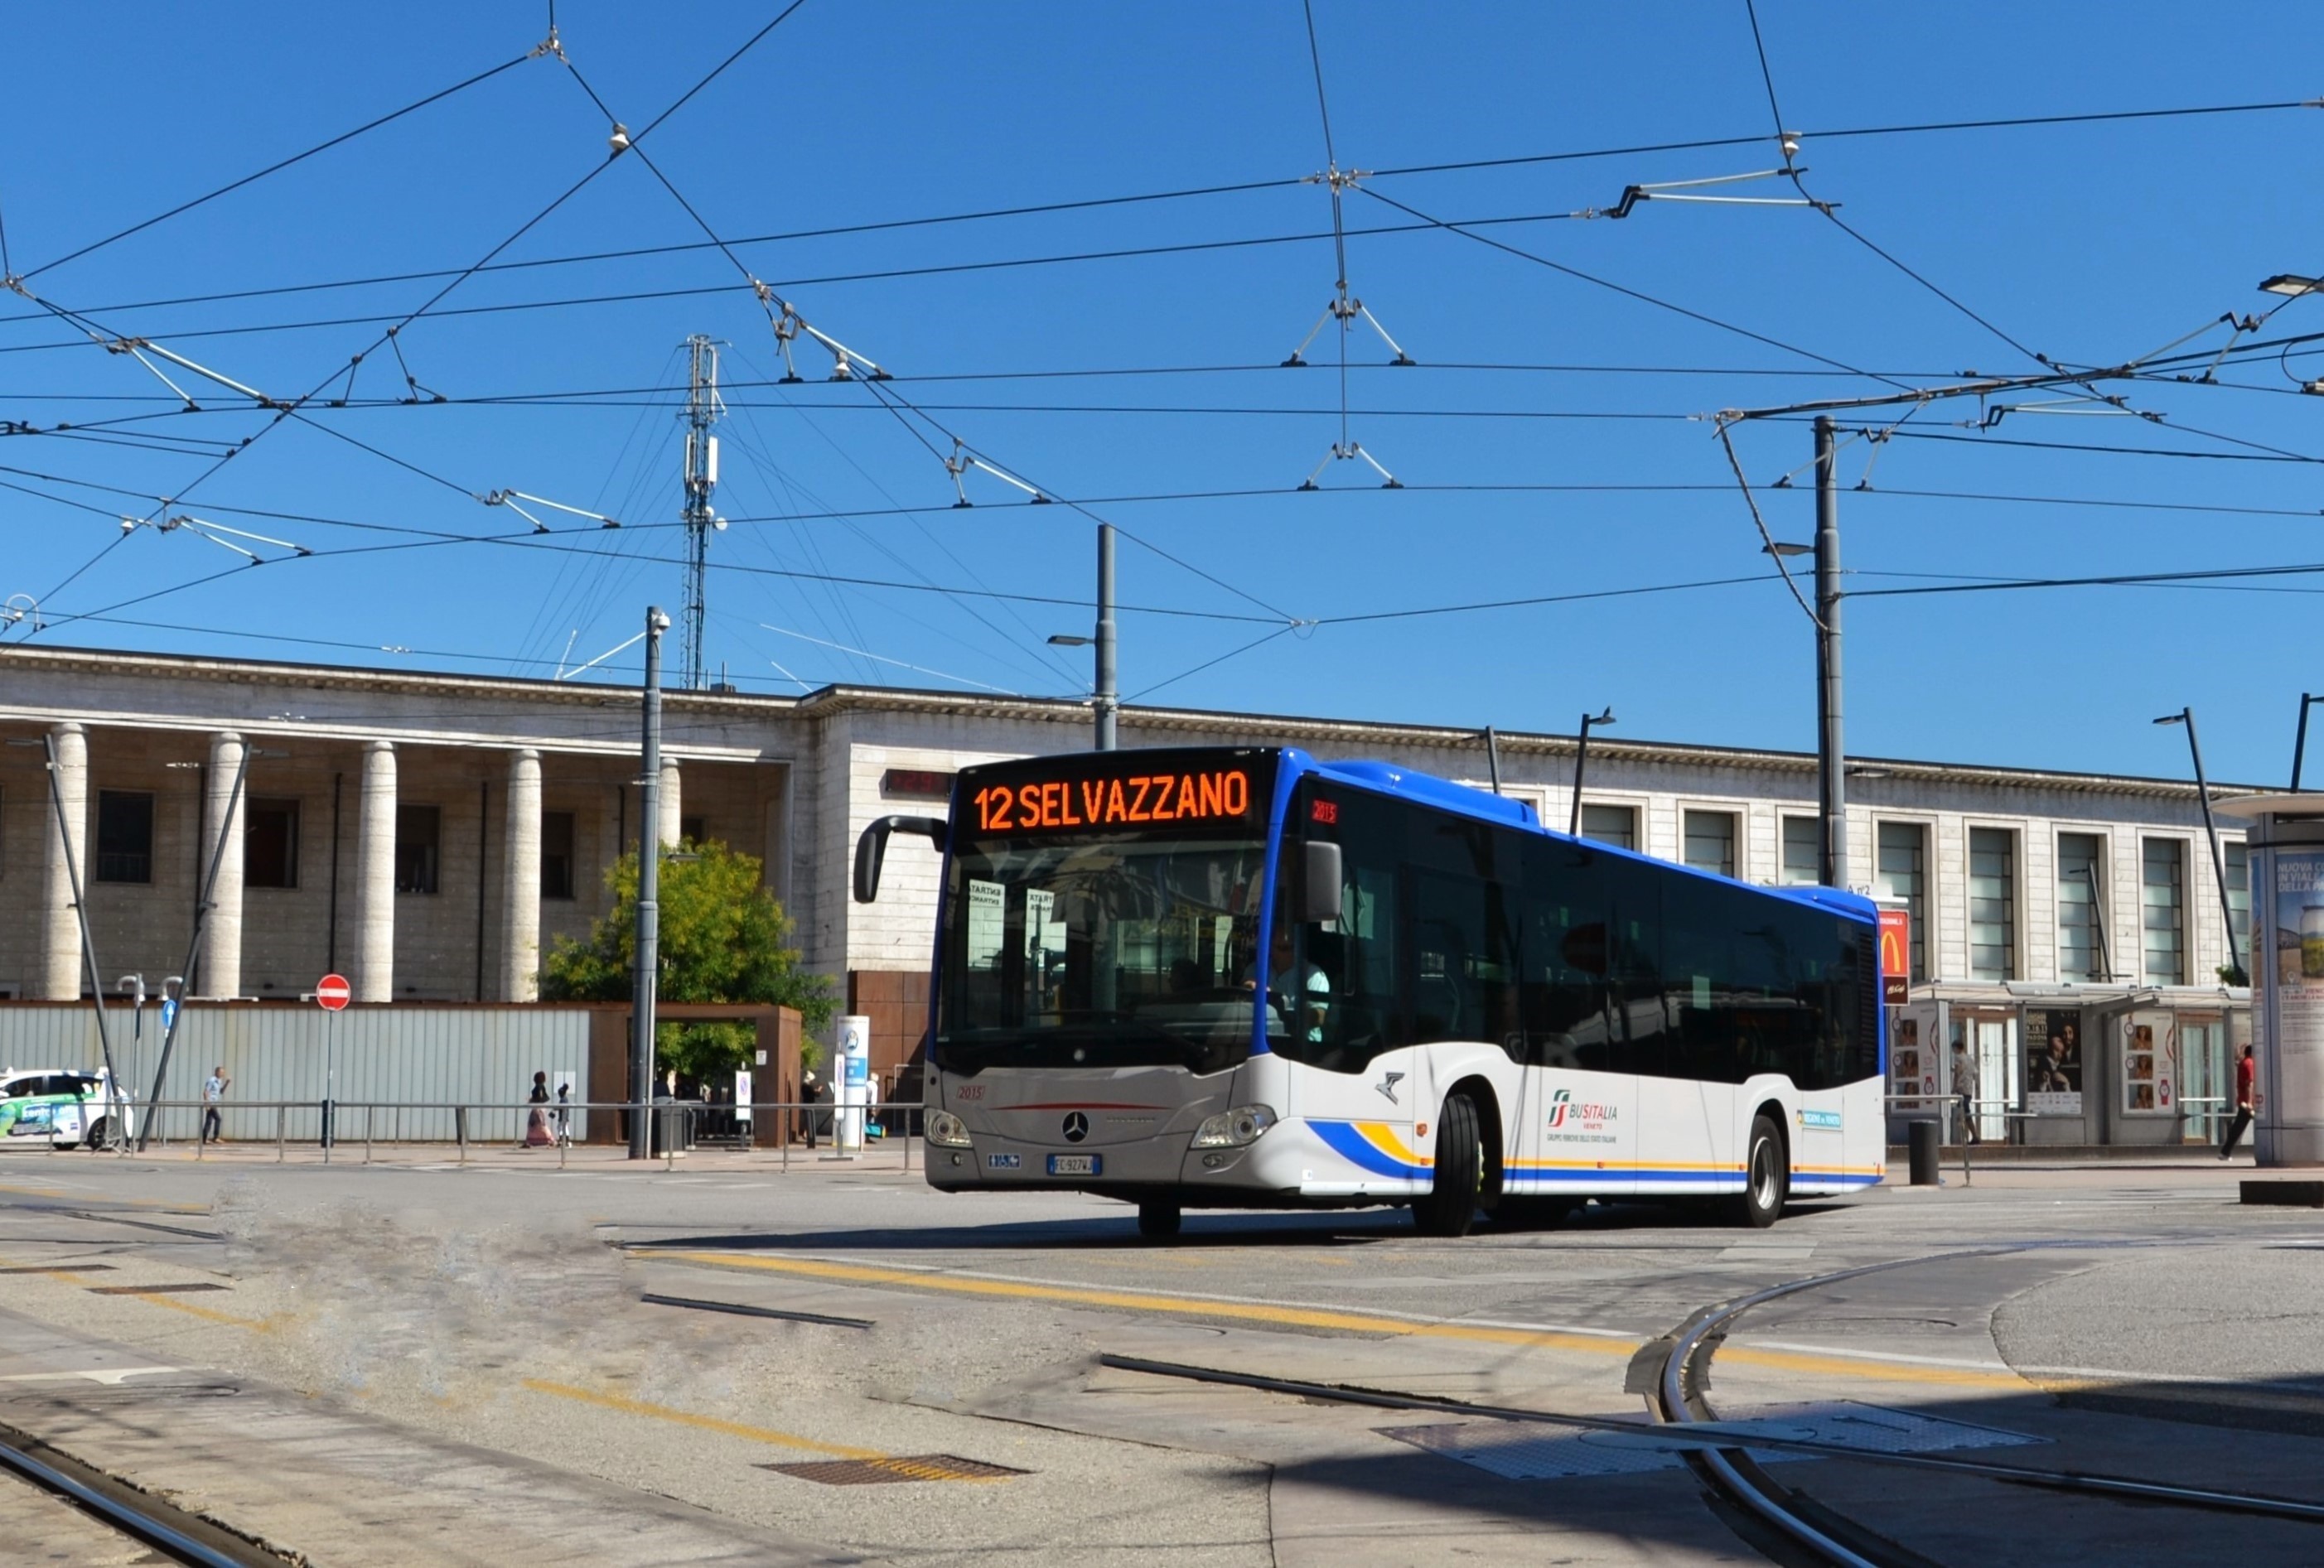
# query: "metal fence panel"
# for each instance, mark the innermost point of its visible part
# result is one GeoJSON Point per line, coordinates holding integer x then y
{"type": "Point", "coordinates": [442, 1055]}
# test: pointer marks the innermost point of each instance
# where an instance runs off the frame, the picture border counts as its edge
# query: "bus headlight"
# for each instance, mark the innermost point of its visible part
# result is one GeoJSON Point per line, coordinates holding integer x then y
{"type": "Point", "coordinates": [946, 1130]}
{"type": "Point", "coordinates": [1234, 1129]}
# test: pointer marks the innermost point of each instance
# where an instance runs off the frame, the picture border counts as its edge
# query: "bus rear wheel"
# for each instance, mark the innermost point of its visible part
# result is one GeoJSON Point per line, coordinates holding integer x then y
{"type": "Point", "coordinates": [1158, 1221]}
{"type": "Point", "coordinates": [1767, 1179]}
{"type": "Point", "coordinates": [1449, 1206]}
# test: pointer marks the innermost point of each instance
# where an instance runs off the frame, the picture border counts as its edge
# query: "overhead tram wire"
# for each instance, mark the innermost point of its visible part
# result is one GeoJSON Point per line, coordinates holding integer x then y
{"type": "Point", "coordinates": [1625, 291]}
{"type": "Point", "coordinates": [1783, 138]}
{"type": "Point", "coordinates": [283, 411]}
{"type": "Point", "coordinates": [764, 294]}
{"type": "Point", "coordinates": [875, 385]}
{"type": "Point", "coordinates": [1234, 187]}
{"type": "Point", "coordinates": [277, 167]}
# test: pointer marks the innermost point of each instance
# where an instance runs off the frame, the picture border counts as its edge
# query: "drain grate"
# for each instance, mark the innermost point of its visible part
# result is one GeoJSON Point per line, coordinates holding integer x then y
{"type": "Point", "coordinates": [152, 1289]}
{"type": "Point", "coordinates": [894, 1468]}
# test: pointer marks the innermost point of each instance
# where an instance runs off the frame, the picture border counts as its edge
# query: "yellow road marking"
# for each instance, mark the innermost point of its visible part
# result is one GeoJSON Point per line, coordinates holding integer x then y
{"type": "Point", "coordinates": [255, 1325]}
{"type": "Point", "coordinates": [1347, 1321]}
{"type": "Point", "coordinates": [1147, 1301]}
{"type": "Point", "coordinates": [1883, 1371]}
{"type": "Point", "coordinates": [629, 1407]}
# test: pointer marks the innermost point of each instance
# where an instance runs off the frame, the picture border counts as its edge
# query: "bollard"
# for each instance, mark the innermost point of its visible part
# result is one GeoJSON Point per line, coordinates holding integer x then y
{"type": "Point", "coordinates": [460, 1129]}
{"type": "Point", "coordinates": [367, 1110]}
{"type": "Point", "coordinates": [1925, 1137]}
{"type": "Point", "coordinates": [281, 1126]}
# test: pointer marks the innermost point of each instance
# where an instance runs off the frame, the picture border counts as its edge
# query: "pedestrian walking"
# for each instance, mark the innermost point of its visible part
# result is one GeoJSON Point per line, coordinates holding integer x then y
{"type": "Point", "coordinates": [214, 1089]}
{"type": "Point", "coordinates": [564, 1112]}
{"type": "Point", "coordinates": [1965, 1085]}
{"type": "Point", "coordinates": [536, 1121]}
{"type": "Point", "coordinates": [2247, 1083]}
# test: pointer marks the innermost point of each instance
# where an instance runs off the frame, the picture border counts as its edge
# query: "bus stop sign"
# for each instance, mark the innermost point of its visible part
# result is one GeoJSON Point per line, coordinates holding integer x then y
{"type": "Point", "coordinates": [332, 993]}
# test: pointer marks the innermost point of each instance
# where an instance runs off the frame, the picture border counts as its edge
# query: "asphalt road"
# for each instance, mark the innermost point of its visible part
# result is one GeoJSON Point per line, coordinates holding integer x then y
{"type": "Point", "coordinates": [423, 1365]}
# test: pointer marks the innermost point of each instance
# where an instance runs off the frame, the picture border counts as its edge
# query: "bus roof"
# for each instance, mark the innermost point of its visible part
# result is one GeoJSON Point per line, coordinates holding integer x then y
{"type": "Point", "coordinates": [1467, 800]}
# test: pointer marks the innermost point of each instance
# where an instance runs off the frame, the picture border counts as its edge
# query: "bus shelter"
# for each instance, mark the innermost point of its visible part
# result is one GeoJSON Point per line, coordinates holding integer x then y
{"type": "Point", "coordinates": [2068, 1064]}
{"type": "Point", "coordinates": [2286, 842]}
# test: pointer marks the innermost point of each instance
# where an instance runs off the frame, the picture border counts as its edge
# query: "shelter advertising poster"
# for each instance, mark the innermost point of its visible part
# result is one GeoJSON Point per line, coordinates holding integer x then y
{"type": "Point", "coordinates": [2053, 1061]}
{"type": "Point", "coordinates": [2299, 953]}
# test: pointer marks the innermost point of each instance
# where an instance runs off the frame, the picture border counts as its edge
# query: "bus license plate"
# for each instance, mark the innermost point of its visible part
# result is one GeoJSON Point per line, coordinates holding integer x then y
{"type": "Point", "coordinates": [1075, 1164]}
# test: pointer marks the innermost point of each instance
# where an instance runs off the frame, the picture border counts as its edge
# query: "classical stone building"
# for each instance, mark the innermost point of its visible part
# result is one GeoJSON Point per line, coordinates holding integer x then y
{"type": "Point", "coordinates": [431, 835]}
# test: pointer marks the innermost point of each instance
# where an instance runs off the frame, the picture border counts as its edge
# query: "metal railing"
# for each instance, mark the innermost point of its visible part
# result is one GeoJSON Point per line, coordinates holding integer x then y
{"type": "Point", "coordinates": [676, 1126]}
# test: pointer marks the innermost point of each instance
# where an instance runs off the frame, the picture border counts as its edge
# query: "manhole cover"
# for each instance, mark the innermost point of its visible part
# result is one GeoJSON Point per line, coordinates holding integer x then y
{"type": "Point", "coordinates": [895, 1468]}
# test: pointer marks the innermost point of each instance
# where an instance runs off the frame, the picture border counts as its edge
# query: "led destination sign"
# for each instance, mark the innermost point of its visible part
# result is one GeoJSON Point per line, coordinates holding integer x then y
{"type": "Point", "coordinates": [1120, 791]}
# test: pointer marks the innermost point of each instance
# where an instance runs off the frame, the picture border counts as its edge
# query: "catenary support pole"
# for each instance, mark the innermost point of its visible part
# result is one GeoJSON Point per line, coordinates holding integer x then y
{"type": "Point", "coordinates": [649, 931]}
{"type": "Point", "coordinates": [1108, 701]}
{"type": "Point", "coordinates": [88, 945]}
{"type": "Point", "coordinates": [2300, 738]}
{"type": "Point", "coordinates": [193, 946]}
{"type": "Point", "coordinates": [2218, 855]}
{"type": "Point", "coordinates": [1832, 770]}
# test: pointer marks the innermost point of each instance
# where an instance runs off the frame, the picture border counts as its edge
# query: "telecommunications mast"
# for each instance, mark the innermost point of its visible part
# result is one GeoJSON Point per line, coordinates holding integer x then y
{"type": "Point", "coordinates": [702, 411]}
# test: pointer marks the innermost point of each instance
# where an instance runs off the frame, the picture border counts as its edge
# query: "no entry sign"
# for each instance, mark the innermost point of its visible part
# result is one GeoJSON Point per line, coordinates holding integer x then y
{"type": "Point", "coordinates": [332, 992]}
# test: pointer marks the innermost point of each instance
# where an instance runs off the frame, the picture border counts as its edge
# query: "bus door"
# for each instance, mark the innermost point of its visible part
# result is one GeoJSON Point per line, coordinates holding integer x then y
{"type": "Point", "coordinates": [1575, 1127]}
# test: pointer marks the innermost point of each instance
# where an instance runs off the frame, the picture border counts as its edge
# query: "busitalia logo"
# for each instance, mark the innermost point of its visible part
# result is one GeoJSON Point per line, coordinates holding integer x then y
{"type": "Point", "coordinates": [1565, 1111]}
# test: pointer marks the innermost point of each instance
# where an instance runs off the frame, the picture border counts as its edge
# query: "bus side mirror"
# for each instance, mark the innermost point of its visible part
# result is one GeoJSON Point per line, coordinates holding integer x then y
{"type": "Point", "coordinates": [871, 849]}
{"type": "Point", "coordinates": [1319, 886]}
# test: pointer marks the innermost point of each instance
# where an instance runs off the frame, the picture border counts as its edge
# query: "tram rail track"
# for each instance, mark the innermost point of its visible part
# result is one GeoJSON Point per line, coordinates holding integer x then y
{"type": "Point", "coordinates": [1720, 1452]}
{"type": "Point", "coordinates": [178, 1536]}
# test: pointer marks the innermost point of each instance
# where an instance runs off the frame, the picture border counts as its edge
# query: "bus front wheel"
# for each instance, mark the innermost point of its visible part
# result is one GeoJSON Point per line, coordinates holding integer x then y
{"type": "Point", "coordinates": [1767, 1179]}
{"type": "Point", "coordinates": [1158, 1221]}
{"type": "Point", "coordinates": [1449, 1206]}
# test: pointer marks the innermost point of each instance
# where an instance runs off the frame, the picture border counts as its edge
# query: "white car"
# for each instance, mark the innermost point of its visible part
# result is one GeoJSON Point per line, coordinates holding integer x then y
{"type": "Point", "coordinates": [65, 1106]}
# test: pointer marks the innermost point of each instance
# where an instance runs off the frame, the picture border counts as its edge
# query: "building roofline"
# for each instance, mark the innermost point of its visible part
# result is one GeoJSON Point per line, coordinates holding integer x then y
{"type": "Point", "coordinates": [834, 699]}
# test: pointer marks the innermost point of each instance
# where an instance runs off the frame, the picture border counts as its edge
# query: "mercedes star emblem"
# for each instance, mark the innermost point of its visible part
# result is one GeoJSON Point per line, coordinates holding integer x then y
{"type": "Point", "coordinates": [1077, 1126]}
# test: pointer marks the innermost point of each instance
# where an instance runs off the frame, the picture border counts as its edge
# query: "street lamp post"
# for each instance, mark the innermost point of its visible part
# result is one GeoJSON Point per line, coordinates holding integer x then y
{"type": "Point", "coordinates": [1581, 759]}
{"type": "Point", "coordinates": [2186, 717]}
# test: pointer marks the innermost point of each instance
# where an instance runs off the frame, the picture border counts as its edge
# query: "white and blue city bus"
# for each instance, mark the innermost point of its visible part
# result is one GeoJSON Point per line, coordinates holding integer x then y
{"type": "Point", "coordinates": [1248, 978]}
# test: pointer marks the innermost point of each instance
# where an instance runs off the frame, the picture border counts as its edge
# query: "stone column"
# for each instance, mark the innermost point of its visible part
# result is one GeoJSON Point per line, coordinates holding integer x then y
{"type": "Point", "coordinates": [221, 954]}
{"type": "Point", "coordinates": [669, 804]}
{"type": "Point", "coordinates": [374, 975]}
{"type": "Point", "coordinates": [60, 961]}
{"type": "Point", "coordinates": [521, 881]}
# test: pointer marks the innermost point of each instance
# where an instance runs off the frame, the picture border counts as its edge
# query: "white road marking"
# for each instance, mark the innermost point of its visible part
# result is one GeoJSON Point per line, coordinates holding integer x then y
{"type": "Point", "coordinates": [111, 1377]}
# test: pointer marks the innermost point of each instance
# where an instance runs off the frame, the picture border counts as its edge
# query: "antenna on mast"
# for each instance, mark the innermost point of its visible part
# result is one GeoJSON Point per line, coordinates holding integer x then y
{"type": "Point", "coordinates": [702, 411]}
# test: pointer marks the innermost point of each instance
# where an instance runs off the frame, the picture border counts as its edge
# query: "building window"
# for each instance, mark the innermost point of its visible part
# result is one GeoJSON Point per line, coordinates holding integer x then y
{"type": "Point", "coordinates": [1992, 904]}
{"type": "Point", "coordinates": [1614, 824]}
{"type": "Point", "coordinates": [2239, 903]}
{"type": "Point", "coordinates": [419, 842]}
{"type": "Point", "coordinates": [1803, 852]}
{"type": "Point", "coordinates": [691, 829]}
{"type": "Point", "coordinates": [2162, 902]}
{"type": "Point", "coordinates": [1711, 841]}
{"type": "Point", "coordinates": [125, 837]}
{"type": "Point", "coordinates": [2081, 911]}
{"type": "Point", "coordinates": [270, 844]}
{"type": "Point", "coordinates": [1903, 879]}
{"type": "Point", "coordinates": [556, 854]}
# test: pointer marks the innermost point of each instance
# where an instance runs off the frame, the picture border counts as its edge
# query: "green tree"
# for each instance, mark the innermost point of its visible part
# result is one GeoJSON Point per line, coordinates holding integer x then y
{"type": "Point", "coordinates": [723, 938]}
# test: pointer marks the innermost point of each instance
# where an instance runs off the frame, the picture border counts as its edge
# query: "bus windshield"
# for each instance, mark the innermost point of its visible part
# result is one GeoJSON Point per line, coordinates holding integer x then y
{"type": "Point", "coordinates": [1099, 950]}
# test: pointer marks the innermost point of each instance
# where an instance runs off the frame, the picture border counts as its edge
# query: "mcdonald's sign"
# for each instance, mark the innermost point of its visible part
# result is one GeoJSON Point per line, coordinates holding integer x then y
{"type": "Point", "coordinates": [1895, 956]}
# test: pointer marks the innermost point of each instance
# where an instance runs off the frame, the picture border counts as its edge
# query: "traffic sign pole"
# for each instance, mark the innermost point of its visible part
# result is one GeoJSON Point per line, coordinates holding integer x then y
{"type": "Point", "coordinates": [332, 994]}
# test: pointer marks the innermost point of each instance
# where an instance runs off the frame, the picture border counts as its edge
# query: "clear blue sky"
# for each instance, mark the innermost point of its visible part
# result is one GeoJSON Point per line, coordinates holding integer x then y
{"type": "Point", "coordinates": [2092, 244]}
